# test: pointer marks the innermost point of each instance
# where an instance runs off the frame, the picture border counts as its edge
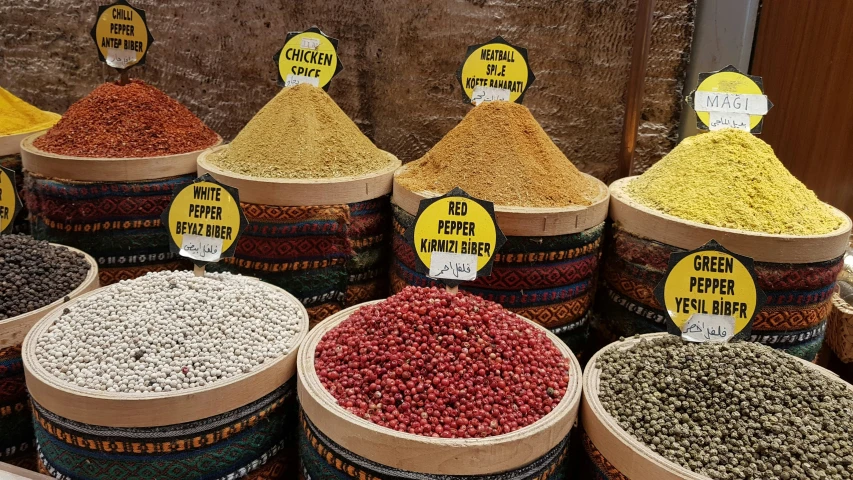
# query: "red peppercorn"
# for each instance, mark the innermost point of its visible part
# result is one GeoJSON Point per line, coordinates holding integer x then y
{"type": "Point", "coordinates": [442, 365]}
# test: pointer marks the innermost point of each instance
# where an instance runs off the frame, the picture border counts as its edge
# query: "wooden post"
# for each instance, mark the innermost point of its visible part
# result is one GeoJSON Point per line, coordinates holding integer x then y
{"type": "Point", "coordinates": [636, 79]}
{"type": "Point", "coordinates": [124, 78]}
{"type": "Point", "coordinates": [452, 290]}
{"type": "Point", "coordinates": [198, 271]}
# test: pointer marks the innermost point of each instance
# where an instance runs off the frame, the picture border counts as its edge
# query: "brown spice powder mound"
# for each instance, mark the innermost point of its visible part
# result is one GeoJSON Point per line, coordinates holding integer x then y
{"type": "Point", "coordinates": [301, 133]}
{"type": "Point", "coordinates": [500, 153]}
{"type": "Point", "coordinates": [132, 120]}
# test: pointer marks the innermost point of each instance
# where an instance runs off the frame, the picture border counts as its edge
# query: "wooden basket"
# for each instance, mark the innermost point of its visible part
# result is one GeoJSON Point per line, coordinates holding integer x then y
{"type": "Point", "coordinates": [631, 457]}
{"type": "Point", "coordinates": [13, 330]}
{"type": "Point", "coordinates": [525, 221]}
{"type": "Point", "coordinates": [153, 409]}
{"type": "Point", "coordinates": [839, 331]}
{"type": "Point", "coordinates": [417, 453]}
{"type": "Point", "coordinates": [645, 222]}
{"type": "Point", "coordinates": [93, 169]}
{"type": "Point", "coordinates": [11, 144]}
{"type": "Point", "coordinates": [297, 192]}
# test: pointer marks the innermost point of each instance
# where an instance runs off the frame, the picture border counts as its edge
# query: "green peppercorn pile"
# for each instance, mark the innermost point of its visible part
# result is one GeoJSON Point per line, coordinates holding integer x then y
{"type": "Point", "coordinates": [730, 411]}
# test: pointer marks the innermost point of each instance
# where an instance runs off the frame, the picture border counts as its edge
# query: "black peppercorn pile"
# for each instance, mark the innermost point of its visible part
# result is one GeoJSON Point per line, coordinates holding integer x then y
{"type": "Point", "coordinates": [730, 411]}
{"type": "Point", "coordinates": [34, 273]}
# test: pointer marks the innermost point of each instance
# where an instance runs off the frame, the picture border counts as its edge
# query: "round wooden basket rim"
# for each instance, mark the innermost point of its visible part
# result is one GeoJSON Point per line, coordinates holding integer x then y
{"type": "Point", "coordinates": [91, 277]}
{"type": "Point", "coordinates": [27, 144]}
{"type": "Point", "coordinates": [842, 306]}
{"type": "Point", "coordinates": [33, 367]}
{"type": "Point", "coordinates": [646, 460]}
{"type": "Point", "coordinates": [322, 183]}
{"type": "Point", "coordinates": [308, 378]}
{"type": "Point", "coordinates": [617, 193]}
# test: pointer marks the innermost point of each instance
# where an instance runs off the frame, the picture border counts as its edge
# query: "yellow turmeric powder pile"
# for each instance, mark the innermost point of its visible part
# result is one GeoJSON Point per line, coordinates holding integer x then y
{"type": "Point", "coordinates": [730, 178]}
{"type": "Point", "coordinates": [18, 116]}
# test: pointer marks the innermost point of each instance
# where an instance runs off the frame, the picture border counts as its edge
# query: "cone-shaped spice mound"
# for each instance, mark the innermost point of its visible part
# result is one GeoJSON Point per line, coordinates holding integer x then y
{"type": "Point", "coordinates": [730, 178]}
{"type": "Point", "coordinates": [301, 133]}
{"type": "Point", "coordinates": [18, 116]}
{"type": "Point", "coordinates": [133, 120]}
{"type": "Point", "coordinates": [500, 153]}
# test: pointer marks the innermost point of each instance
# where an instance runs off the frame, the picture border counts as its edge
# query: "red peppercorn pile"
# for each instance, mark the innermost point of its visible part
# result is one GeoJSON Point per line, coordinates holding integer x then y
{"type": "Point", "coordinates": [132, 120]}
{"type": "Point", "coordinates": [435, 364]}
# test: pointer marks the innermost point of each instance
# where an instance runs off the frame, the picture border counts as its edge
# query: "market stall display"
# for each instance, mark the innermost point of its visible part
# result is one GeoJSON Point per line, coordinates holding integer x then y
{"type": "Point", "coordinates": [839, 335]}
{"type": "Point", "coordinates": [315, 192]}
{"type": "Point", "coordinates": [36, 277]}
{"type": "Point", "coordinates": [429, 384]}
{"type": "Point", "coordinates": [656, 407]}
{"type": "Point", "coordinates": [552, 214]}
{"type": "Point", "coordinates": [101, 177]}
{"type": "Point", "coordinates": [170, 374]}
{"type": "Point", "coordinates": [18, 120]}
{"type": "Point", "coordinates": [727, 186]}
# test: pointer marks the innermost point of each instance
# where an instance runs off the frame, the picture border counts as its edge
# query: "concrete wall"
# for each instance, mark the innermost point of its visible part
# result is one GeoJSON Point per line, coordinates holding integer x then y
{"type": "Point", "coordinates": [399, 59]}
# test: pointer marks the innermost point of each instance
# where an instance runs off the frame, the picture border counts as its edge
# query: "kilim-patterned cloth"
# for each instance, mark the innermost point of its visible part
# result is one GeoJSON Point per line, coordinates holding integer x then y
{"type": "Point", "coordinates": [596, 467]}
{"type": "Point", "coordinates": [228, 446]}
{"type": "Point", "coordinates": [118, 224]}
{"type": "Point", "coordinates": [17, 444]}
{"type": "Point", "coordinates": [793, 319]}
{"type": "Point", "coordinates": [323, 459]}
{"type": "Point", "coordinates": [550, 280]}
{"type": "Point", "coordinates": [13, 162]}
{"type": "Point", "coordinates": [329, 257]}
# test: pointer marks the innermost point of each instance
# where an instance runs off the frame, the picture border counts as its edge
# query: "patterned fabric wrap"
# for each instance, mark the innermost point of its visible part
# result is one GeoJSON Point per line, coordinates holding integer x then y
{"type": "Point", "coordinates": [793, 319]}
{"type": "Point", "coordinates": [330, 257]}
{"type": "Point", "coordinates": [323, 459]}
{"type": "Point", "coordinates": [13, 162]}
{"type": "Point", "coordinates": [257, 440]}
{"type": "Point", "coordinates": [550, 280]}
{"type": "Point", "coordinates": [595, 466]}
{"type": "Point", "coordinates": [17, 444]}
{"type": "Point", "coordinates": [118, 224]}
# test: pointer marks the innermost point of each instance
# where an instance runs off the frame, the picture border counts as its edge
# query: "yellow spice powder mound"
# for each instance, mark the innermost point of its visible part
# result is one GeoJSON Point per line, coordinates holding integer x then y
{"type": "Point", "coordinates": [730, 178]}
{"type": "Point", "coordinates": [500, 153]}
{"type": "Point", "coordinates": [18, 116]}
{"type": "Point", "coordinates": [301, 133]}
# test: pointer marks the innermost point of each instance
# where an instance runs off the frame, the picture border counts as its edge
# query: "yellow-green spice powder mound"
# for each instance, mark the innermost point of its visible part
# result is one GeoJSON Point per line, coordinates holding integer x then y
{"type": "Point", "coordinates": [301, 133]}
{"type": "Point", "coordinates": [729, 178]}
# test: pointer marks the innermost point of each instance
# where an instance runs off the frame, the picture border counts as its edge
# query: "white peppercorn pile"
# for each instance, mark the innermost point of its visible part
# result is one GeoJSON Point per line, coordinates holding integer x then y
{"type": "Point", "coordinates": [730, 411]}
{"type": "Point", "coordinates": [34, 273]}
{"type": "Point", "coordinates": [169, 331]}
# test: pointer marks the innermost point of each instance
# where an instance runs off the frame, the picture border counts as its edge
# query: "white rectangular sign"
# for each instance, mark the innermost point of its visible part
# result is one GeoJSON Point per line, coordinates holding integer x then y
{"type": "Point", "coordinates": [721, 120]}
{"type": "Point", "coordinates": [706, 328]}
{"type": "Point", "coordinates": [453, 266]}
{"type": "Point", "coordinates": [120, 58]}
{"type": "Point", "coordinates": [488, 94]}
{"type": "Point", "coordinates": [293, 80]}
{"type": "Point", "coordinates": [205, 249]}
{"type": "Point", "coordinates": [749, 103]}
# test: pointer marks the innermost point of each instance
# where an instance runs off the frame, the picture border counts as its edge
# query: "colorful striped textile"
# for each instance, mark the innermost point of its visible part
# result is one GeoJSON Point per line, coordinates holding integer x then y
{"type": "Point", "coordinates": [596, 467]}
{"type": "Point", "coordinates": [323, 459]}
{"type": "Point", "coordinates": [13, 162]}
{"type": "Point", "coordinates": [793, 319]}
{"type": "Point", "coordinates": [550, 280]}
{"type": "Point", "coordinates": [330, 256]}
{"type": "Point", "coordinates": [257, 440]}
{"type": "Point", "coordinates": [17, 444]}
{"type": "Point", "coordinates": [118, 224]}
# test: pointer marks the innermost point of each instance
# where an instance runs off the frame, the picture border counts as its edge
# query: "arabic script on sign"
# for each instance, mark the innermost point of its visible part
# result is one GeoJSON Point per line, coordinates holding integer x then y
{"type": "Point", "coordinates": [453, 266]}
{"type": "Point", "coordinates": [120, 58]}
{"type": "Point", "coordinates": [197, 247]}
{"type": "Point", "coordinates": [489, 94]}
{"type": "Point", "coordinates": [706, 328]}
{"type": "Point", "coordinates": [720, 120]}
{"type": "Point", "coordinates": [293, 80]}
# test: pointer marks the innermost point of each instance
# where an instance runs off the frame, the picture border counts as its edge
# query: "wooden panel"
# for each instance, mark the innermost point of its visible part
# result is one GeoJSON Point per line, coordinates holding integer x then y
{"type": "Point", "coordinates": [802, 51]}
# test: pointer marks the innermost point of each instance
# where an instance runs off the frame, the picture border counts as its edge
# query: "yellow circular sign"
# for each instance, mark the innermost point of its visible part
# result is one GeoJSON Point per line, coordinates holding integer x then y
{"type": "Point", "coordinates": [121, 35]}
{"type": "Point", "coordinates": [204, 209]}
{"type": "Point", "coordinates": [729, 82]}
{"type": "Point", "coordinates": [493, 70]}
{"type": "Point", "coordinates": [8, 201]}
{"type": "Point", "coordinates": [308, 55]}
{"type": "Point", "coordinates": [710, 282]}
{"type": "Point", "coordinates": [456, 225]}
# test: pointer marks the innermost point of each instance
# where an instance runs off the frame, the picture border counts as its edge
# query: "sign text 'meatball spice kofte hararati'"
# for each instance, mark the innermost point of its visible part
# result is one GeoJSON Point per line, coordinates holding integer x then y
{"type": "Point", "coordinates": [125, 121]}
{"type": "Point", "coordinates": [730, 411]}
{"type": "Point", "coordinates": [432, 363]}
{"type": "Point", "coordinates": [169, 331]}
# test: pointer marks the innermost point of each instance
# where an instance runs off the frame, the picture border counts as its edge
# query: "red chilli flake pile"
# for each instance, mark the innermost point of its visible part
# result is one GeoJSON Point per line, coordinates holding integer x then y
{"type": "Point", "coordinates": [430, 363]}
{"type": "Point", "coordinates": [132, 120]}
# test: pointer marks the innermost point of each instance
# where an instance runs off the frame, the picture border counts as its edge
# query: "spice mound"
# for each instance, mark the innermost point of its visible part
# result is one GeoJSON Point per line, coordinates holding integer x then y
{"type": "Point", "coordinates": [730, 178]}
{"type": "Point", "coordinates": [500, 153]}
{"type": "Point", "coordinates": [18, 116]}
{"type": "Point", "coordinates": [729, 411]}
{"type": "Point", "coordinates": [169, 331]}
{"type": "Point", "coordinates": [34, 273]}
{"type": "Point", "coordinates": [132, 120]}
{"type": "Point", "coordinates": [301, 133]}
{"type": "Point", "coordinates": [430, 363]}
